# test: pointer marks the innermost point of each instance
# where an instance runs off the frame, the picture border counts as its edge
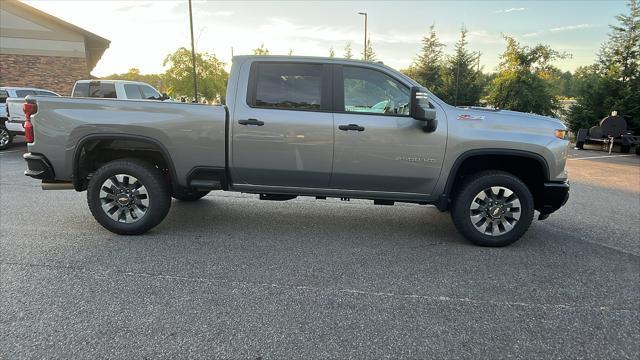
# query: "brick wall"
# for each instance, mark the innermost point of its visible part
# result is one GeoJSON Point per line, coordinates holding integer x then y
{"type": "Point", "coordinates": [56, 73]}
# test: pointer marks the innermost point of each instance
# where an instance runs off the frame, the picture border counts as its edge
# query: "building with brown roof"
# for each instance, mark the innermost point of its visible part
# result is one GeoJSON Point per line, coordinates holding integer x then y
{"type": "Point", "coordinates": [40, 50]}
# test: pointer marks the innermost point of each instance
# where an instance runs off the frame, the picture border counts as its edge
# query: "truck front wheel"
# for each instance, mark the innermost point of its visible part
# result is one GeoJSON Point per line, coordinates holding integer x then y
{"type": "Point", "coordinates": [128, 196]}
{"type": "Point", "coordinates": [492, 208]}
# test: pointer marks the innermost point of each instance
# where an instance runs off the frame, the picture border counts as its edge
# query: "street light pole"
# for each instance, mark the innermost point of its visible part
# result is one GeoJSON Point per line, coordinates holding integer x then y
{"type": "Point", "coordinates": [193, 57]}
{"type": "Point", "coordinates": [365, 34]}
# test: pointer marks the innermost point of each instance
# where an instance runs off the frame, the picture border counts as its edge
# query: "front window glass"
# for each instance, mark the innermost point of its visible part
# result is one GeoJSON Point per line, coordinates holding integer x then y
{"type": "Point", "coordinates": [289, 86]}
{"type": "Point", "coordinates": [149, 93]}
{"type": "Point", "coordinates": [371, 91]}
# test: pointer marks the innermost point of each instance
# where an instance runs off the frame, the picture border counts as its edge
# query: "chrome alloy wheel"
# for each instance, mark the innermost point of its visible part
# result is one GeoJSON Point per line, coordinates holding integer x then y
{"type": "Point", "coordinates": [495, 211]}
{"type": "Point", "coordinates": [4, 137]}
{"type": "Point", "coordinates": [124, 199]}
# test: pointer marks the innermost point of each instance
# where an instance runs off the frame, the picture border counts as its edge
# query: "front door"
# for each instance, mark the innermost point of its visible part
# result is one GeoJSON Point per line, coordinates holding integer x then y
{"type": "Point", "coordinates": [378, 146]}
{"type": "Point", "coordinates": [282, 135]}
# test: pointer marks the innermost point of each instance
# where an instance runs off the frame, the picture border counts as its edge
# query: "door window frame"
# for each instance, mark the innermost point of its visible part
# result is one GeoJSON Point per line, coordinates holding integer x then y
{"type": "Point", "coordinates": [326, 81]}
{"type": "Point", "coordinates": [338, 90]}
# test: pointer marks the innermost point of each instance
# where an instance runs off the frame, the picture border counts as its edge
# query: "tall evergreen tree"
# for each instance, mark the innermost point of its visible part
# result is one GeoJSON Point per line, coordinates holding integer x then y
{"type": "Point", "coordinates": [370, 54]}
{"type": "Point", "coordinates": [348, 51]}
{"type": "Point", "coordinates": [462, 83]}
{"type": "Point", "coordinates": [426, 69]}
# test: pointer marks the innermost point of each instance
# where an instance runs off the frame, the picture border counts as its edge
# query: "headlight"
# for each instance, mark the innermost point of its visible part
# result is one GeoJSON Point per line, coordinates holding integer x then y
{"type": "Point", "coordinates": [561, 134]}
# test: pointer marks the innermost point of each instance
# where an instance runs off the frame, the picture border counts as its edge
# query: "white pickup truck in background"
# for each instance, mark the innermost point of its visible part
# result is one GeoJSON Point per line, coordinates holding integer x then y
{"type": "Point", "coordinates": [117, 89]}
{"type": "Point", "coordinates": [11, 114]}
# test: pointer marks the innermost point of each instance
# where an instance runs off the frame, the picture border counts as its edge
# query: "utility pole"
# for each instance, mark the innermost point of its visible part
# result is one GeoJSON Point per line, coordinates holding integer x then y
{"type": "Point", "coordinates": [365, 34]}
{"type": "Point", "coordinates": [193, 57]}
{"type": "Point", "coordinates": [455, 101]}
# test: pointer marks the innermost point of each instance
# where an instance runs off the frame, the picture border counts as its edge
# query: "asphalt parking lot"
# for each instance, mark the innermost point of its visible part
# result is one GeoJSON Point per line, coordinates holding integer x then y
{"type": "Point", "coordinates": [234, 277]}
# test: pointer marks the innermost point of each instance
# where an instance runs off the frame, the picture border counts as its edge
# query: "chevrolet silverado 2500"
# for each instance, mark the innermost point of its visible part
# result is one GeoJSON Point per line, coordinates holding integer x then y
{"type": "Point", "coordinates": [303, 126]}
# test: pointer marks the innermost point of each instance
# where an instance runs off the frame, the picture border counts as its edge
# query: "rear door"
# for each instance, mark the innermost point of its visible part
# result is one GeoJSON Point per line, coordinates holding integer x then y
{"type": "Point", "coordinates": [378, 146]}
{"type": "Point", "coordinates": [282, 128]}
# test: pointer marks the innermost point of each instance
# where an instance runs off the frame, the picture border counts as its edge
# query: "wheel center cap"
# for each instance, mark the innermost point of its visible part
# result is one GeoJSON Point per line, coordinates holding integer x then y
{"type": "Point", "coordinates": [123, 199]}
{"type": "Point", "coordinates": [495, 212]}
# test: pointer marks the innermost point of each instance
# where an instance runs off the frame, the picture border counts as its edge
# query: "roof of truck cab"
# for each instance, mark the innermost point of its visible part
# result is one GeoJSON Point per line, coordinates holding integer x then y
{"type": "Point", "coordinates": [305, 58]}
{"type": "Point", "coordinates": [112, 81]}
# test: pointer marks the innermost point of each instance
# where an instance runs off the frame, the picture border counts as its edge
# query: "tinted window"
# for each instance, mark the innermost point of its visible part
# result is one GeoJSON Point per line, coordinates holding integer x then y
{"type": "Point", "coordinates": [45, 93]}
{"type": "Point", "coordinates": [289, 86]}
{"type": "Point", "coordinates": [24, 93]}
{"type": "Point", "coordinates": [132, 91]}
{"type": "Point", "coordinates": [3, 96]}
{"type": "Point", "coordinates": [149, 92]}
{"type": "Point", "coordinates": [81, 90]}
{"type": "Point", "coordinates": [102, 90]}
{"type": "Point", "coordinates": [371, 91]}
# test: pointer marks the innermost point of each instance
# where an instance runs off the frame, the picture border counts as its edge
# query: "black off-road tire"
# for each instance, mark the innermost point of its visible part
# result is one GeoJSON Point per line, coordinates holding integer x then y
{"type": "Point", "coordinates": [466, 193]}
{"type": "Point", "coordinates": [159, 198]}
{"type": "Point", "coordinates": [6, 137]}
{"type": "Point", "coordinates": [580, 145]}
{"type": "Point", "coordinates": [189, 195]}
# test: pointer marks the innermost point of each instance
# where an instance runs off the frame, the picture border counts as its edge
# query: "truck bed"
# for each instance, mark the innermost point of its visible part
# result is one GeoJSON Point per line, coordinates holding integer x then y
{"type": "Point", "coordinates": [193, 134]}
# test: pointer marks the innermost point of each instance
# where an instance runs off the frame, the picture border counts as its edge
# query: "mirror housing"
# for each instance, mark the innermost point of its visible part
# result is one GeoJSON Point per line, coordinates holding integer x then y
{"type": "Point", "coordinates": [165, 97]}
{"type": "Point", "coordinates": [421, 110]}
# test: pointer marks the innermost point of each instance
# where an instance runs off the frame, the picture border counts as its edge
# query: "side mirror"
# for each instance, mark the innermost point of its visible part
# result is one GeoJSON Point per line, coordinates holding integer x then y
{"type": "Point", "coordinates": [164, 97]}
{"type": "Point", "coordinates": [421, 110]}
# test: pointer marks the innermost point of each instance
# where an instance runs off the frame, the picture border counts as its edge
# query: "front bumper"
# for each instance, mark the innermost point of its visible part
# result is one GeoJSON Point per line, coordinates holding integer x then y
{"type": "Point", "coordinates": [554, 196]}
{"type": "Point", "coordinates": [38, 167]}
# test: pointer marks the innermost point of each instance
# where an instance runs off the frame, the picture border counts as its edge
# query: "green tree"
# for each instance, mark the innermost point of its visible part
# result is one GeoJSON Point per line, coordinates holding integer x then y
{"type": "Point", "coordinates": [133, 74]}
{"type": "Point", "coordinates": [261, 50]}
{"type": "Point", "coordinates": [332, 53]}
{"type": "Point", "coordinates": [178, 78]}
{"type": "Point", "coordinates": [522, 80]}
{"type": "Point", "coordinates": [371, 54]}
{"type": "Point", "coordinates": [426, 69]}
{"type": "Point", "coordinates": [461, 78]}
{"type": "Point", "coordinates": [348, 51]}
{"type": "Point", "coordinates": [613, 82]}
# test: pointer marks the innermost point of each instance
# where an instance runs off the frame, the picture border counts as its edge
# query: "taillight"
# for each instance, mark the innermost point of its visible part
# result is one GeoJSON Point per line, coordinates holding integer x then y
{"type": "Point", "coordinates": [29, 109]}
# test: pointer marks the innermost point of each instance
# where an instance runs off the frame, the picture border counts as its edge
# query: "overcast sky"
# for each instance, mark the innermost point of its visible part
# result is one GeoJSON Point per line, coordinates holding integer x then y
{"type": "Point", "coordinates": [142, 33]}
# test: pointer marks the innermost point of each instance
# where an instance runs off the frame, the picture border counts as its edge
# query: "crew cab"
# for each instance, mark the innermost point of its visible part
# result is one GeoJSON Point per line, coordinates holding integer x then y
{"type": "Point", "coordinates": [117, 89]}
{"type": "Point", "coordinates": [303, 126]}
{"type": "Point", "coordinates": [11, 115]}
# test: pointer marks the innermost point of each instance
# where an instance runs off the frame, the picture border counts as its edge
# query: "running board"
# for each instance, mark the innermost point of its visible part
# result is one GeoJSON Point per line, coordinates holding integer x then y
{"type": "Point", "coordinates": [198, 184]}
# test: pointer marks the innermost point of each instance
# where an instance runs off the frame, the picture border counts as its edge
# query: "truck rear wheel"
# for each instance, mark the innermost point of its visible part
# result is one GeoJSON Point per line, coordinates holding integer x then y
{"type": "Point", "coordinates": [128, 196]}
{"type": "Point", "coordinates": [6, 138]}
{"type": "Point", "coordinates": [493, 208]}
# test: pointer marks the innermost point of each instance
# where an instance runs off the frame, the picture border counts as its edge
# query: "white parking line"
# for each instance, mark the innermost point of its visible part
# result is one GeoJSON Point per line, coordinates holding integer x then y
{"type": "Point", "coordinates": [12, 151]}
{"type": "Point", "coordinates": [601, 157]}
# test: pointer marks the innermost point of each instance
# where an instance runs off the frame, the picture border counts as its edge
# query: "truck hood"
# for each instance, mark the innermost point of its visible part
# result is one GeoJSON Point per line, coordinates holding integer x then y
{"type": "Point", "coordinates": [508, 115]}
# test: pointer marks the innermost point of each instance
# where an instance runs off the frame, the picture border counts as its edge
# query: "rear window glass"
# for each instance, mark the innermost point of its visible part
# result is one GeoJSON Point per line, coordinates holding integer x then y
{"type": "Point", "coordinates": [289, 86]}
{"type": "Point", "coordinates": [102, 90]}
{"type": "Point", "coordinates": [81, 90]}
{"type": "Point", "coordinates": [24, 93]}
{"type": "Point", "coordinates": [45, 93]}
{"type": "Point", "coordinates": [132, 91]}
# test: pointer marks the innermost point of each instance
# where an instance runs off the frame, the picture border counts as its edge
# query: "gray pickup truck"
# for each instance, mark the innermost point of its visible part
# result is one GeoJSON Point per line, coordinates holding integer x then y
{"type": "Point", "coordinates": [303, 126]}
